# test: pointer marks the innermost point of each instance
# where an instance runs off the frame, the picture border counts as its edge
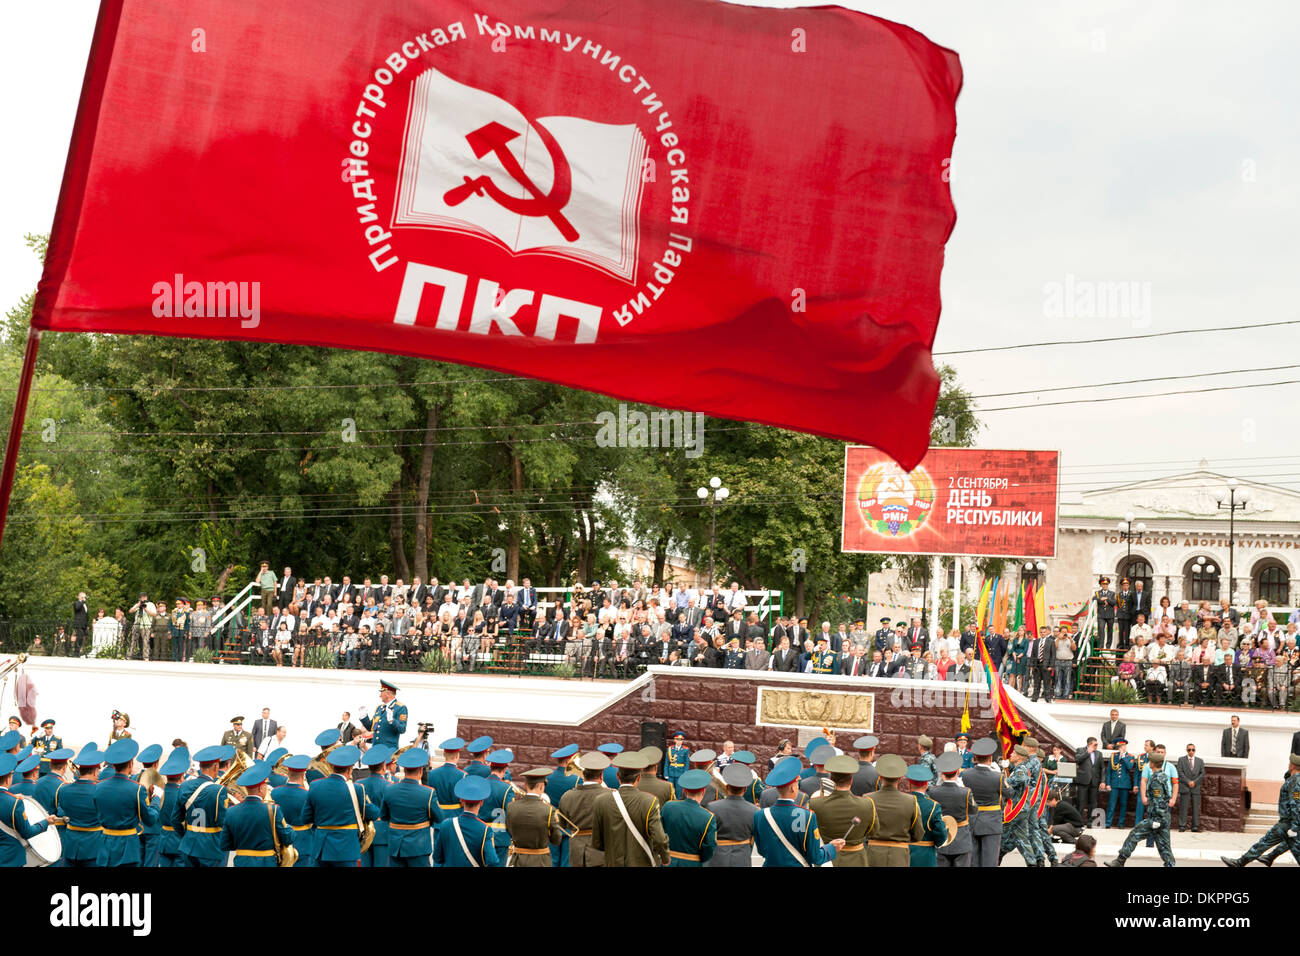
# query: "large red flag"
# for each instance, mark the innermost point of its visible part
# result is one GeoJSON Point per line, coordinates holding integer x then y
{"type": "Point", "coordinates": [699, 205]}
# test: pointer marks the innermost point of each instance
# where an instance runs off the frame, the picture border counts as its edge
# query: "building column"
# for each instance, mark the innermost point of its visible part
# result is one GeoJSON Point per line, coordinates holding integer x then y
{"type": "Point", "coordinates": [956, 594]}
{"type": "Point", "coordinates": [936, 570]}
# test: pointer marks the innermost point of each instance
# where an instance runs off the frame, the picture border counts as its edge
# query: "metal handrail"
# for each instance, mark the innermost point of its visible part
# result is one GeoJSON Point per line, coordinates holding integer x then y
{"type": "Point", "coordinates": [236, 604]}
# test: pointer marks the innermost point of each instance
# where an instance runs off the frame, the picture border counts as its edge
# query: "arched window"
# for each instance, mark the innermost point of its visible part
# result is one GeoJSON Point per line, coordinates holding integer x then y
{"type": "Point", "coordinates": [1199, 583]}
{"type": "Point", "coordinates": [1273, 584]}
{"type": "Point", "coordinates": [1135, 569]}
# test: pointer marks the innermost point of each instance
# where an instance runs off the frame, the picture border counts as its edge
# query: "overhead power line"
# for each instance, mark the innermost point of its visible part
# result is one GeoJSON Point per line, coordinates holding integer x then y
{"type": "Point", "coordinates": [1119, 338]}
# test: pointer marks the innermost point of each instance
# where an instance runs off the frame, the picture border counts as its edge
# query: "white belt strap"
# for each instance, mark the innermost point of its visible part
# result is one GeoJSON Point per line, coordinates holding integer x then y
{"type": "Point", "coordinates": [645, 847]}
{"type": "Point", "coordinates": [455, 825]}
{"type": "Point", "coordinates": [771, 821]}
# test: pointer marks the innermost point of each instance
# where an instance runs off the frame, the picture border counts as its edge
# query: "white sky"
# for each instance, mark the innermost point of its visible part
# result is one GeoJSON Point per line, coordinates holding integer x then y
{"type": "Point", "coordinates": [1154, 143]}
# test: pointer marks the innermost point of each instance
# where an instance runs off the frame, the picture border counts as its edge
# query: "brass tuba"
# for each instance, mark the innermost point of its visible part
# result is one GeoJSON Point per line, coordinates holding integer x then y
{"type": "Point", "coordinates": [227, 780]}
{"type": "Point", "coordinates": [318, 762]}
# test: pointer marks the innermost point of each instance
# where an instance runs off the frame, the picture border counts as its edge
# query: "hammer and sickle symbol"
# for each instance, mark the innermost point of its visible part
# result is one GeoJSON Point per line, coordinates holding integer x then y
{"type": "Point", "coordinates": [495, 138]}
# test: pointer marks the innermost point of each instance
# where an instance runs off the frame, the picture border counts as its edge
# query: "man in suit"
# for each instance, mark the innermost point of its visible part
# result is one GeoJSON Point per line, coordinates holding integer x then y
{"type": "Point", "coordinates": [1089, 765]}
{"type": "Point", "coordinates": [916, 634]}
{"type": "Point", "coordinates": [785, 659]}
{"type": "Point", "coordinates": [1191, 780]}
{"type": "Point", "coordinates": [344, 591]}
{"type": "Point", "coordinates": [263, 728]}
{"type": "Point", "coordinates": [1112, 730]}
{"type": "Point", "coordinates": [757, 657]}
{"type": "Point", "coordinates": [852, 663]}
{"type": "Point", "coordinates": [347, 729]}
{"type": "Point", "coordinates": [877, 666]}
{"type": "Point", "coordinates": [1226, 682]}
{"type": "Point", "coordinates": [893, 666]}
{"type": "Point", "coordinates": [735, 628]}
{"type": "Point", "coordinates": [284, 589]}
{"type": "Point", "coordinates": [798, 633]}
{"type": "Point", "coordinates": [1202, 683]}
{"type": "Point", "coordinates": [1236, 740]}
{"type": "Point", "coordinates": [1033, 665]}
{"type": "Point", "coordinates": [1141, 603]}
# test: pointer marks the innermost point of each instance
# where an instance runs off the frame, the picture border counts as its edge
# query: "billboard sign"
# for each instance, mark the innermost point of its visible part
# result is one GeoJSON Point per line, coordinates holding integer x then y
{"type": "Point", "coordinates": [960, 501]}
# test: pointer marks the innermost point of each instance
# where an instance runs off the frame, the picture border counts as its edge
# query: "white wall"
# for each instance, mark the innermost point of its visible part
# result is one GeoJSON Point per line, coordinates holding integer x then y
{"type": "Point", "coordinates": [196, 701]}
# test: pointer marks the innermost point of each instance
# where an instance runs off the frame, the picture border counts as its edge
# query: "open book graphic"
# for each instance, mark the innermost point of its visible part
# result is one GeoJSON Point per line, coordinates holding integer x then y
{"type": "Point", "coordinates": [468, 154]}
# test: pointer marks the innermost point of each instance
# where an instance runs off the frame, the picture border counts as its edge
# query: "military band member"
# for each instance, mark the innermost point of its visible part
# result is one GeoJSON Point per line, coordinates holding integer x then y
{"type": "Point", "coordinates": [388, 723]}
{"type": "Point", "coordinates": [239, 738]}
{"type": "Point", "coordinates": [894, 820]}
{"type": "Point", "coordinates": [841, 813]}
{"type": "Point", "coordinates": [924, 852]}
{"type": "Point", "coordinates": [47, 785]}
{"type": "Point", "coordinates": [956, 801]}
{"type": "Point", "coordinates": [560, 782]}
{"type": "Point", "coordinates": [12, 851]}
{"type": "Point", "coordinates": [692, 830]}
{"type": "Point", "coordinates": [493, 811]}
{"type": "Point", "coordinates": [533, 824]}
{"type": "Point", "coordinates": [254, 826]}
{"type": "Point", "coordinates": [786, 834]}
{"type": "Point", "coordinates": [200, 810]}
{"type": "Point", "coordinates": [150, 835]}
{"type": "Point", "coordinates": [818, 783]}
{"type": "Point", "coordinates": [375, 785]}
{"type": "Point", "coordinates": [174, 769]}
{"type": "Point", "coordinates": [735, 816]}
{"type": "Point", "coordinates": [1159, 796]}
{"type": "Point", "coordinates": [463, 839]}
{"type": "Point", "coordinates": [1286, 832]}
{"type": "Point", "coordinates": [1016, 833]}
{"type": "Point", "coordinates": [651, 782]}
{"type": "Point", "coordinates": [576, 806]}
{"type": "Point", "coordinates": [124, 807]}
{"type": "Point", "coordinates": [866, 780]}
{"type": "Point", "coordinates": [83, 837]}
{"type": "Point", "coordinates": [443, 779]}
{"type": "Point", "coordinates": [27, 769]}
{"type": "Point", "coordinates": [610, 750]}
{"type": "Point", "coordinates": [477, 749]}
{"type": "Point", "coordinates": [291, 796]}
{"type": "Point", "coordinates": [678, 761]}
{"type": "Point", "coordinates": [324, 740]}
{"type": "Point", "coordinates": [625, 823]}
{"type": "Point", "coordinates": [754, 790]}
{"type": "Point", "coordinates": [411, 810]}
{"type": "Point", "coordinates": [337, 808]}
{"type": "Point", "coordinates": [985, 785]}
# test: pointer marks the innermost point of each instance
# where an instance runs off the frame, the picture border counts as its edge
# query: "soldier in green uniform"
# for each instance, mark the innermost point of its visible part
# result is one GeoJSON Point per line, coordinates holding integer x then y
{"type": "Point", "coordinates": [45, 742]}
{"type": "Point", "coordinates": [625, 823]}
{"type": "Point", "coordinates": [1015, 830]}
{"type": "Point", "coordinates": [747, 760]}
{"type": "Point", "coordinates": [824, 660]}
{"type": "Point", "coordinates": [239, 738]}
{"type": "Point", "coordinates": [679, 756]}
{"type": "Point", "coordinates": [841, 814]}
{"type": "Point", "coordinates": [650, 781]}
{"type": "Point", "coordinates": [866, 779]}
{"type": "Point", "coordinates": [1042, 783]}
{"type": "Point", "coordinates": [1159, 795]}
{"type": "Point", "coordinates": [923, 852]}
{"type": "Point", "coordinates": [1286, 832]}
{"type": "Point", "coordinates": [532, 823]}
{"type": "Point", "coordinates": [576, 807]}
{"type": "Point", "coordinates": [692, 830]}
{"type": "Point", "coordinates": [893, 818]}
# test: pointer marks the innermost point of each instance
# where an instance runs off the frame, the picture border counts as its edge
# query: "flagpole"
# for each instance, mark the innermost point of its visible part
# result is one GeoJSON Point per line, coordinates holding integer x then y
{"type": "Point", "coordinates": [16, 424]}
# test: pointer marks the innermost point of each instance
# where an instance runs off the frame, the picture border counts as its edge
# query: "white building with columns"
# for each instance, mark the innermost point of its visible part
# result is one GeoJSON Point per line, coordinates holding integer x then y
{"type": "Point", "coordinates": [1187, 545]}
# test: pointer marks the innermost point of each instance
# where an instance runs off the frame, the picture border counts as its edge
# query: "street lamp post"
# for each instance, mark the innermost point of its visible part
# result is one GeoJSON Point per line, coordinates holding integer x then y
{"type": "Point", "coordinates": [1128, 531]}
{"type": "Point", "coordinates": [1236, 501]}
{"type": "Point", "coordinates": [1199, 568]}
{"type": "Point", "coordinates": [719, 495]}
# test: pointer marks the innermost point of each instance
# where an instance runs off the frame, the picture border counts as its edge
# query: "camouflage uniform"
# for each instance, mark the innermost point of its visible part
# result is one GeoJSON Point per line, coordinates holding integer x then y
{"type": "Point", "coordinates": [927, 759]}
{"type": "Point", "coordinates": [1038, 828]}
{"type": "Point", "coordinates": [1155, 820]}
{"type": "Point", "coordinates": [1286, 832]}
{"type": "Point", "coordinates": [1016, 833]}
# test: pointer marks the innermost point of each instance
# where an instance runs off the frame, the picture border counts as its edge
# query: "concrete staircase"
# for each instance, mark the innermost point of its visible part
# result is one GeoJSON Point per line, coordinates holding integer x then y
{"type": "Point", "coordinates": [1260, 819]}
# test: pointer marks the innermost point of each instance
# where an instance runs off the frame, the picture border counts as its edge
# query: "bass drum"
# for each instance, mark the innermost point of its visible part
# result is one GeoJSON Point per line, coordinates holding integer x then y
{"type": "Point", "coordinates": [44, 848]}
